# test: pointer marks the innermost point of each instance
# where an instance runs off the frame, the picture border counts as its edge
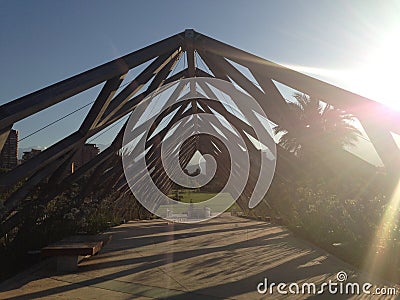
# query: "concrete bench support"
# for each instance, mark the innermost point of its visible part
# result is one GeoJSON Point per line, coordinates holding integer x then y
{"type": "Point", "coordinates": [70, 251]}
{"type": "Point", "coordinates": [68, 263]}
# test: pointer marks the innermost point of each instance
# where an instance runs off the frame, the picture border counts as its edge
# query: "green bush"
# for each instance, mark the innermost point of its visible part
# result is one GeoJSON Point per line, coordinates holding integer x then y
{"type": "Point", "coordinates": [345, 222]}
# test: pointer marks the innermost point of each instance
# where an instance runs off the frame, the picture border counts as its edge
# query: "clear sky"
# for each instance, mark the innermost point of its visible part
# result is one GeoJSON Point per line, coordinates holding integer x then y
{"type": "Point", "coordinates": [352, 44]}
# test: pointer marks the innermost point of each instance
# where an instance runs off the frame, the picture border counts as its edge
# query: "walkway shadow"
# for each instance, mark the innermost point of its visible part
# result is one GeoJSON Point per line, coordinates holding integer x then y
{"type": "Point", "coordinates": [288, 261]}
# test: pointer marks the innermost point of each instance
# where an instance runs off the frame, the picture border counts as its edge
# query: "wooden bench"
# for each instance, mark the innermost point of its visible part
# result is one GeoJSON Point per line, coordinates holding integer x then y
{"type": "Point", "coordinates": [70, 251]}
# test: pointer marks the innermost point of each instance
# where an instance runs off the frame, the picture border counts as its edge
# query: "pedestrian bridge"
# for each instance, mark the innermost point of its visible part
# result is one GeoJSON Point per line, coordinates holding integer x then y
{"type": "Point", "coordinates": [224, 257]}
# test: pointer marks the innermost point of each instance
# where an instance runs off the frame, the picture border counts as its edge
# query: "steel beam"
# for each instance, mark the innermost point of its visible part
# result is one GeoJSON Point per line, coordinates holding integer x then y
{"type": "Point", "coordinates": [101, 103]}
{"type": "Point", "coordinates": [62, 171]}
{"type": "Point", "coordinates": [162, 75]}
{"type": "Point", "coordinates": [4, 135]}
{"type": "Point", "coordinates": [131, 104]}
{"type": "Point", "coordinates": [11, 202]}
{"type": "Point", "coordinates": [41, 160]}
{"type": "Point", "coordinates": [132, 88]}
{"type": "Point", "coordinates": [385, 146]}
{"type": "Point", "coordinates": [27, 105]}
{"type": "Point", "coordinates": [108, 108]}
{"type": "Point", "coordinates": [275, 99]}
{"type": "Point", "coordinates": [59, 188]}
{"type": "Point", "coordinates": [227, 70]}
{"type": "Point", "coordinates": [333, 95]}
{"type": "Point", "coordinates": [209, 60]}
{"type": "Point", "coordinates": [76, 138]}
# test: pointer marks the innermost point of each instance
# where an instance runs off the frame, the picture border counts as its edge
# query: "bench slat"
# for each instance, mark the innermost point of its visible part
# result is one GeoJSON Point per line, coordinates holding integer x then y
{"type": "Point", "coordinates": [72, 249]}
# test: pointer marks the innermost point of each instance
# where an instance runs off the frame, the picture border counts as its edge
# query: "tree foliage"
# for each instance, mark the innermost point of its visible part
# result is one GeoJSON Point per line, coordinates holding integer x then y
{"type": "Point", "coordinates": [319, 128]}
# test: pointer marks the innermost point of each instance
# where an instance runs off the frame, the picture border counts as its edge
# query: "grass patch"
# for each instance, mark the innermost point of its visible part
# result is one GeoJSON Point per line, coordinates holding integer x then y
{"type": "Point", "coordinates": [188, 196]}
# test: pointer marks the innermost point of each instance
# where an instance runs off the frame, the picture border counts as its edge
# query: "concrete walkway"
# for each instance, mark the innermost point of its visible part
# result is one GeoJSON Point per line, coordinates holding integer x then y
{"type": "Point", "coordinates": [224, 258]}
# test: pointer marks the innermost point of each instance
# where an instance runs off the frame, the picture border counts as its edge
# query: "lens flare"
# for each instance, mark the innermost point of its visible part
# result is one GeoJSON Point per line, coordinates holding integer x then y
{"type": "Point", "coordinates": [379, 255]}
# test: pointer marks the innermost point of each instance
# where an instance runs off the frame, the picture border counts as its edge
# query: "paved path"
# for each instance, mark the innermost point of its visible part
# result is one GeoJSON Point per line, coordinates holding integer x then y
{"type": "Point", "coordinates": [224, 258]}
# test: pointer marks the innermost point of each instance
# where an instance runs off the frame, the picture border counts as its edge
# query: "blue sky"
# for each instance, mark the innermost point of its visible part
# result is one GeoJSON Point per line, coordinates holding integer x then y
{"type": "Point", "coordinates": [42, 42]}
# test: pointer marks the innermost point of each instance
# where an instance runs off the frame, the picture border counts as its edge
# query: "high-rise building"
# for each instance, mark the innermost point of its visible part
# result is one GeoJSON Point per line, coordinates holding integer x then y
{"type": "Point", "coordinates": [29, 154]}
{"type": "Point", "coordinates": [9, 153]}
{"type": "Point", "coordinates": [83, 155]}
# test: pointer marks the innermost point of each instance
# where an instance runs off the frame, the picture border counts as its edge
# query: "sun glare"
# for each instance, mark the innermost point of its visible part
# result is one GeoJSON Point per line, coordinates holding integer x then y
{"type": "Point", "coordinates": [378, 78]}
{"type": "Point", "coordinates": [379, 251]}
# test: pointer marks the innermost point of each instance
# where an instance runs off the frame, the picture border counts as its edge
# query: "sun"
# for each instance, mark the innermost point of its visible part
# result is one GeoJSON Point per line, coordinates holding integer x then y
{"type": "Point", "coordinates": [376, 76]}
{"type": "Point", "coordinates": [379, 78]}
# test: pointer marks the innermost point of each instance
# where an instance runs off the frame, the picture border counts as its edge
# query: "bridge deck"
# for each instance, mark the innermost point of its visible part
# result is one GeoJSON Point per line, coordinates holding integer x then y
{"type": "Point", "coordinates": [224, 258]}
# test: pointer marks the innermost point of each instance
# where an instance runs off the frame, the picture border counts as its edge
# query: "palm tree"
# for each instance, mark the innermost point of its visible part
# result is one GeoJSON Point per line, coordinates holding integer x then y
{"type": "Point", "coordinates": [319, 128]}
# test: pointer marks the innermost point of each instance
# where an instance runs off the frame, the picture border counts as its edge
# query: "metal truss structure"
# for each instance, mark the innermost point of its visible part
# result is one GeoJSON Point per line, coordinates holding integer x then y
{"type": "Point", "coordinates": [48, 167]}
